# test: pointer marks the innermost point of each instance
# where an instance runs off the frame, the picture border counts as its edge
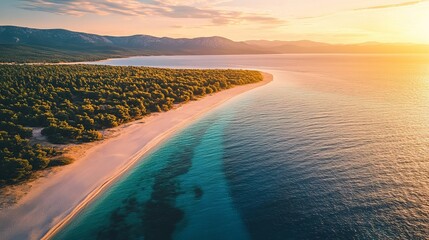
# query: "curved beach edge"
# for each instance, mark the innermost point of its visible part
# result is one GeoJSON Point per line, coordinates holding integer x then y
{"type": "Point", "coordinates": [222, 96]}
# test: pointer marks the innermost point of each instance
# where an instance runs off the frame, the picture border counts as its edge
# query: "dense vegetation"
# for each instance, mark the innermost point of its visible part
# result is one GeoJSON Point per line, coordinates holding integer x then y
{"type": "Point", "coordinates": [73, 102]}
{"type": "Point", "coordinates": [18, 53]}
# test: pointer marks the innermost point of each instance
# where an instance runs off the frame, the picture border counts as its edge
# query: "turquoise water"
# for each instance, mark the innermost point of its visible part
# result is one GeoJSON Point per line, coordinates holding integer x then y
{"type": "Point", "coordinates": [336, 147]}
{"type": "Point", "coordinates": [184, 177]}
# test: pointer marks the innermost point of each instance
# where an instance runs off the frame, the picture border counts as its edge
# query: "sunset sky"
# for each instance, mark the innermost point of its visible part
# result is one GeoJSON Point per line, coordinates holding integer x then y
{"type": "Point", "coordinates": [336, 21]}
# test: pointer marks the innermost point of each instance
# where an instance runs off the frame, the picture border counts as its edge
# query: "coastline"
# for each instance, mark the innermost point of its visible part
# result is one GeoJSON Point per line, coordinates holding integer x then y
{"type": "Point", "coordinates": [55, 200]}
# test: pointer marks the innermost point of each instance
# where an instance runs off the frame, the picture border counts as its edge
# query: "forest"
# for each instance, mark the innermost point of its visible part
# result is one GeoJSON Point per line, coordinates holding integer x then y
{"type": "Point", "coordinates": [11, 53]}
{"type": "Point", "coordinates": [72, 103]}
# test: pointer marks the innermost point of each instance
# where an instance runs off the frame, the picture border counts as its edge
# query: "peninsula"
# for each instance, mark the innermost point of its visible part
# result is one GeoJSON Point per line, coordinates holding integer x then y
{"type": "Point", "coordinates": [57, 198]}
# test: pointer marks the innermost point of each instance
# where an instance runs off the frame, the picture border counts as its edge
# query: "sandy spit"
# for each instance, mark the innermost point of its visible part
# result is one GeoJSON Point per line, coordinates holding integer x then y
{"type": "Point", "coordinates": [54, 200]}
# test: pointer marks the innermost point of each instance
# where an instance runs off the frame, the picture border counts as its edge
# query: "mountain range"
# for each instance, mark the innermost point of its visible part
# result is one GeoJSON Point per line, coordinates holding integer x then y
{"type": "Point", "coordinates": [21, 44]}
{"type": "Point", "coordinates": [306, 46]}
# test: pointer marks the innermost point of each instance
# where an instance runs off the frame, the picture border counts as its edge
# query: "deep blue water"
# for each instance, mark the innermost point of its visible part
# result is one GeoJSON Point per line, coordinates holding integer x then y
{"type": "Point", "coordinates": [336, 147]}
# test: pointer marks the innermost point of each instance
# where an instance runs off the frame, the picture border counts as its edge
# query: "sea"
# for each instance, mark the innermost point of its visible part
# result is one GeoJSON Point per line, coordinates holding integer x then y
{"type": "Point", "coordinates": [335, 147]}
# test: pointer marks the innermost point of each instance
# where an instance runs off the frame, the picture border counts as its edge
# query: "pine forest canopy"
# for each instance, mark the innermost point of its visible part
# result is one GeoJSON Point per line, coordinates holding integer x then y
{"type": "Point", "coordinates": [73, 102]}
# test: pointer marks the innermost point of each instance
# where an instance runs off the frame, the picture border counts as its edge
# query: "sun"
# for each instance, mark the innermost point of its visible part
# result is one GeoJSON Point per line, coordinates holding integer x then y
{"type": "Point", "coordinates": [422, 26]}
{"type": "Point", "coordinates": [410, 24]}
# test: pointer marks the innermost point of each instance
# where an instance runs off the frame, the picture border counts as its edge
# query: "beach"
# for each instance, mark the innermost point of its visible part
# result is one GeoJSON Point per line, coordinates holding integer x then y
{"type": "Point", "coordinates": [54, 200]}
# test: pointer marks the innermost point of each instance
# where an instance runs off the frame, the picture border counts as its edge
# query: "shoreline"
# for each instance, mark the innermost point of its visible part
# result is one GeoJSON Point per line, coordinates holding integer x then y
{"type": "Point", "coordinates": [51, 203]}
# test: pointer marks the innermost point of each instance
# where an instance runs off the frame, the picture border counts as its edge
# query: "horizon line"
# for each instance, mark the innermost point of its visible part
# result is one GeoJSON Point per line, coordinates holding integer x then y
{"type": "Point", "coordinates": [212, 36]}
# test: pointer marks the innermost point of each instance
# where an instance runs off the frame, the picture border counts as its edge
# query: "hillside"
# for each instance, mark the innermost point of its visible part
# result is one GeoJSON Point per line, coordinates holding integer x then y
{"type": "Point", "coordinates": [20, 44]}
{"type": "Point", "coordinates": [26, 45]}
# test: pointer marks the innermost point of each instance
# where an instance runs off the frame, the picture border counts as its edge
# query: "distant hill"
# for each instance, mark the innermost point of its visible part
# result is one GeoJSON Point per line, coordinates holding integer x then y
{"type": "Point", "coordinates": [21, 44]}
{"type": "Point", "coordinates": [272, 44]}
{"type": "Point", "coordinates": [318, 47]}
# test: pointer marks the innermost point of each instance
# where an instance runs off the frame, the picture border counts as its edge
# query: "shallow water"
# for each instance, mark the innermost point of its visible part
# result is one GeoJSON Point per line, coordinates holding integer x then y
{"type": "Point", "coordinates": [336, 147]}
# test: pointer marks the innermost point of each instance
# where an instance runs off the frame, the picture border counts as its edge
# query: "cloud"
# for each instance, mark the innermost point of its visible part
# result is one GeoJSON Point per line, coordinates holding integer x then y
{"type": "Point", "coordinates": [376, 7]}
{"type": "Point", "coordinates": [196, 9]}
{"type": "Point", "coordinates": [395, 5]}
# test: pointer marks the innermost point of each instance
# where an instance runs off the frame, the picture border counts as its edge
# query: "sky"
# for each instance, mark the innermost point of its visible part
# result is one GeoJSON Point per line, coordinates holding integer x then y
{"type": "Point", "coordinates": [333, 21]}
